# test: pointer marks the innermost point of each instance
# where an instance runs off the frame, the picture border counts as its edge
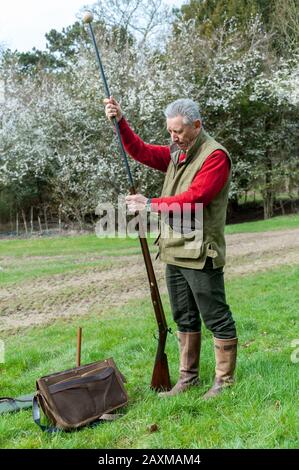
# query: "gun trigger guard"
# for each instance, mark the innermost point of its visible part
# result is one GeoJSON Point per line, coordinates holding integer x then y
{"type": "Point", "coordinates": [168, 330]}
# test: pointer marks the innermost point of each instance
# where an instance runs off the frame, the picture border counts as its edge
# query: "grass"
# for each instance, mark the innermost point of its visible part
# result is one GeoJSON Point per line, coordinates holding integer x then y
{"type": "Point", "coordinates": [22, 259]}
{"type": "Point", "coordinates": [260, 411]}
{"type": "Point", "coordinates": [282, 222]}
{"type": "Point", "coordinates": [32, 258]}
{"type": "Point", "coordinates": [55, 246]}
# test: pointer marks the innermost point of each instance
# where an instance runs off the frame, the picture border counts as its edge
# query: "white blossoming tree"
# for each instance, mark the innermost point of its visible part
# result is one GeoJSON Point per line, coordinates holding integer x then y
{"type": "Point", "coordinates": [58, 152]}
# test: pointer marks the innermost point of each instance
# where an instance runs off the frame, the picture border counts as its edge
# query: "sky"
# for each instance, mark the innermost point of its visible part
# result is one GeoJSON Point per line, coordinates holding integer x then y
{"type": "Point", "coordinates": [23, 23]}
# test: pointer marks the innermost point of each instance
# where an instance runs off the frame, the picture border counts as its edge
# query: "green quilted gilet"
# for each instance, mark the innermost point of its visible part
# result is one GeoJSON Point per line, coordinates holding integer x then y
{"type": "Point", "coordinates": [207, 239]}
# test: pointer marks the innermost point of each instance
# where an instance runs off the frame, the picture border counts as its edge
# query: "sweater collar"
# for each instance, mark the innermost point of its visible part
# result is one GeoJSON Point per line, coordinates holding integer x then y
{"type": "Point", "coordinates": [175, 151]}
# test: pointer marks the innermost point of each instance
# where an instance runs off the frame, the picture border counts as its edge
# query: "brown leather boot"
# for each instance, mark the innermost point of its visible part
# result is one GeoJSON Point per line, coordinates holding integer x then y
{"type": "Point", "coordinates": [189, 363]}
{"type": "Point", "coordinates": [226, 356]}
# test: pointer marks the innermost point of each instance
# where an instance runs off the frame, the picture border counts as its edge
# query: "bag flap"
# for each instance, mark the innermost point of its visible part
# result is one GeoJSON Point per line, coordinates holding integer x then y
{"type": "Point", "coordinates": [67, 384]}
{"type": "Point", "coordinates": [48, 380]}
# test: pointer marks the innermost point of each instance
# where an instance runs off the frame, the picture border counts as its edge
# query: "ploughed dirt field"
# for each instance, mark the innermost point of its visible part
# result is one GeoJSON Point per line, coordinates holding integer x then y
{"type": "Point", "coordinates": [118, 279]}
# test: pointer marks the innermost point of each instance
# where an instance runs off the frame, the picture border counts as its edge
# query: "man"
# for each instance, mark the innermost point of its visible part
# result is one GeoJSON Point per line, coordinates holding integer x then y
{"type": "Point", "coordinates": [198, 170]}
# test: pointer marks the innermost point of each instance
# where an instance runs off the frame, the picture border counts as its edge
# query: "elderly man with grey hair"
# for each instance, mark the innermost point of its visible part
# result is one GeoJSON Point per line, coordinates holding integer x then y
{"type": "Point", "coordinates": [198, 170]}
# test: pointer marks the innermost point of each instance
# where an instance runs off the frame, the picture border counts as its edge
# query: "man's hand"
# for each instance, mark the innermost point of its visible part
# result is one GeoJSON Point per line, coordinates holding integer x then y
{"type": "Point", "coordinates": [112, 109]}
{"type": "Point", "coordinates": [136, 202]}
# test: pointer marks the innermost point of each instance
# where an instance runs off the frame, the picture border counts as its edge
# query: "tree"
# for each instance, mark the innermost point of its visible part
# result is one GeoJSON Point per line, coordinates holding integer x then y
{"type": "Point", "coordinates": [142, 19]}
{"type": "Point", "coordinates": [285, 24]}
{"type": "Point", "coordinates": [56, 147]}
{"type": "Point", "coordinates": [60, 131]}
{"type": "Point", "coordinates": [227, 65]}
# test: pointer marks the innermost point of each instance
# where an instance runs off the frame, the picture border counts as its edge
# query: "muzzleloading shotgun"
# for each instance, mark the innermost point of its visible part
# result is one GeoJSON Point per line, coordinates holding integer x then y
{"type": "Point", "coordinates": [160, 378]}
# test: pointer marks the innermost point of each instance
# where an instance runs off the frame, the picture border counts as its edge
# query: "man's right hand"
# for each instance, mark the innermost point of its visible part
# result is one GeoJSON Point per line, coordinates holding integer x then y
{"type": "Point", "coordinates": [112, 109]}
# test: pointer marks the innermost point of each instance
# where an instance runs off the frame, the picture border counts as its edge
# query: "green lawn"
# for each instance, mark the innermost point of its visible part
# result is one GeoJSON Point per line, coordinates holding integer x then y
{"type": "Point", "coordinates": [260, 411]}
{"type": "Point", "coordinates": [282, 222]}
{"type": "Point", "coordinates": [35, 257]}
{"type": "Point", "coordinates": [22, 259]}
{"type": "Point", "coordinates": [65, 245]}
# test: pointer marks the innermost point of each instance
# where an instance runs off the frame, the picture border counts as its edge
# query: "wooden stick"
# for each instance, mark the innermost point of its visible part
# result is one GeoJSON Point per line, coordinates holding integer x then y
{"type": "Point", "coordinates": [79, 339]}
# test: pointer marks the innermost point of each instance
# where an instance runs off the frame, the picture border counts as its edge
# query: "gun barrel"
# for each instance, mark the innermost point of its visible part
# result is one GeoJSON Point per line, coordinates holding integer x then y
{"type": "Point", "coordinates": [161, 379]}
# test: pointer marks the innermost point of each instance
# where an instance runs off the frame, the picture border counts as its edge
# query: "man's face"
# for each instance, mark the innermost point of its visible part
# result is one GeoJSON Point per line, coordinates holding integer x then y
{"type": "Point", "coordinates": [182, 134]}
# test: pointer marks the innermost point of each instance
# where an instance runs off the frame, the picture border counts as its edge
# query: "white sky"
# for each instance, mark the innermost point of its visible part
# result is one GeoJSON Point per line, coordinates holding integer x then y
{"type": "Point", "coordinates": [23, 23]}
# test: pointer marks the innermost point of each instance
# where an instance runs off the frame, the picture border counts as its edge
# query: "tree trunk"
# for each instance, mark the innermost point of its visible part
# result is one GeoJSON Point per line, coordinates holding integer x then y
{"type": "Point", "coordinates": [45, 217]}
{"type": "Point", "coordinates": [31, 220]}
{"type": "Point", "coordinates": [282, 207]}
{"type": "Point", "coordinates": [11, 219]}
{"type": "Point", "coordinates": [268, 202]}
{"type": "Point", "coordinates": [17, 224]}
{"type": "Point", "coordinates": [268, 192]}
{"type": "Point", "coordinates": [40, 225]}
{"type": "Point", "coordinates": [59, 218]}
{"type": "Point", "coordinates": [24, 221]}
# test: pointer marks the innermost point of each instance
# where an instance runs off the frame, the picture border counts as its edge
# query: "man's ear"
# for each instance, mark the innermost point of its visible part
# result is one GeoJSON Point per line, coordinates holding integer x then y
{"type": "Point", "coordinates": [197, 124]}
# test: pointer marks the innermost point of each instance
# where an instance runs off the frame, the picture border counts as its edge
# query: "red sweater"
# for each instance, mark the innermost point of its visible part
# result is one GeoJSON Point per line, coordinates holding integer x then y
{"type": "Point", "coordinates": [207, 183]}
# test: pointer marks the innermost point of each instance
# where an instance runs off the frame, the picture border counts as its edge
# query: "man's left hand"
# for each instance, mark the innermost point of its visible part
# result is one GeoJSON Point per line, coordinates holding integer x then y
{"type": "Point", "coordinates": [136, 202]}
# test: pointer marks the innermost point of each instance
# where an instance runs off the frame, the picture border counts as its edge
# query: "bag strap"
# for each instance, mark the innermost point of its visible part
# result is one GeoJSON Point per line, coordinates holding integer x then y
{"type": "Point", "coordinates": [36, 418]}
{"type": "Point", "coordinates": [15, 404]}
{"type": "Point", "coordinates": [13, 400]}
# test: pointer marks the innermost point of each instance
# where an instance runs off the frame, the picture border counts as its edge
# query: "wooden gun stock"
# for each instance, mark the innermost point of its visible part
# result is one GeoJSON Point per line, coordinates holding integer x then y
{"type": "Point", "coordinates": [160, 377]}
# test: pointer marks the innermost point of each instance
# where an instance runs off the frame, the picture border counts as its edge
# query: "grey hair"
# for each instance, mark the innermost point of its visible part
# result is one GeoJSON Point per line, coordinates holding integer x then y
{"type": "Point", "coordinates": [184, 107]}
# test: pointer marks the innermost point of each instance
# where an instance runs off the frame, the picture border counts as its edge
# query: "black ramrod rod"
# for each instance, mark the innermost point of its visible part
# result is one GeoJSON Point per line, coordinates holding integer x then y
{"type": "Point", "coordinates": [160, 378]}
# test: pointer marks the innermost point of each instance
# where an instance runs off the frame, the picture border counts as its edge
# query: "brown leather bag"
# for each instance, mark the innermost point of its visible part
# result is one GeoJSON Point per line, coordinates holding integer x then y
{"type": "Point", "coordinates": [80, 396]}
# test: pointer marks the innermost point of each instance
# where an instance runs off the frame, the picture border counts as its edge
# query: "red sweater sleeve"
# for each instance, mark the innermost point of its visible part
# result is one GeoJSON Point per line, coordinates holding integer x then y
{"type": "Point", "coordinates": [154, 156]}
{"type": "Point", "coordinates": [207, 183]}
{"type": "Point", "coordinates": [205, 186]}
